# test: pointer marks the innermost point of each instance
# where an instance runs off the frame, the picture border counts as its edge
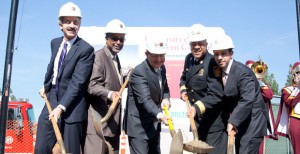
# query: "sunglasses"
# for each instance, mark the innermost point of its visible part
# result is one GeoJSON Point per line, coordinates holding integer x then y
{"type": "Point", "coordinates": [115, 39]}
{"type": "Point", "coordinates": [198, 43]}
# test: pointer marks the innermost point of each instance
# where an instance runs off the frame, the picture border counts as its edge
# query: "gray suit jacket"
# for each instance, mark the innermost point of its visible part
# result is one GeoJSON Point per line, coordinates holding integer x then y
{"type": "Point", "coordinates": [143, 101]}
{"type": "Point", "coordinates": [243, 99]}
{"type": "Point", "coordinates": [103, 80]}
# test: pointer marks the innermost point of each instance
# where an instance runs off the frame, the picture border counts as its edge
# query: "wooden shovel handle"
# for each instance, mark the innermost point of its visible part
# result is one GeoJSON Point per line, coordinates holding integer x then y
{"type": "Point", "coordinates": [115, 100]}
{"type": "Point", "coordinates": [231, 142]}
{"type": "Point", "coordinates": [192, 121]}
{"type": "Point", "coordinates": [55, 127]}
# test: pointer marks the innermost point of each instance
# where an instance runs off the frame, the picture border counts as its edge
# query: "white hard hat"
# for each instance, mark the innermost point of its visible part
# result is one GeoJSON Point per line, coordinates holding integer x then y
{"type": "Point", "coordinates": [115, 26]}
{"type": "Point", "coordinates": [222, 42]}
{"type": "Point", "coordinates": [197, 32]}
{"type": "Point", "coordinates": [296, 67]}
{"type": "Point", "coordinates": [69, 9]}
{"type": "Point", "coordinates": [156, 45]}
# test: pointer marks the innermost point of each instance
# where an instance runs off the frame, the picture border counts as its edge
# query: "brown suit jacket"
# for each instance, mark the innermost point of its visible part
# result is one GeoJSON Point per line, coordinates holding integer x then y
{"type": "Point", "coordinates": [103, 80]}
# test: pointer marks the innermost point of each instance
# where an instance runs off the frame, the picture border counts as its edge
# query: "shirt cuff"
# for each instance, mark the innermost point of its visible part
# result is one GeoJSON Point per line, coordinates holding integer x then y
{"type": "Point", "coordinates": [182, 89]}
{"type": "Point", "coordinates": [201, 107]}
{"type": "Point", "coordinates": [109, 94]}
{"type": "Point", "coordinates": [62, 107]}
{"type": "Point", "coordinates": [261, 84]}
{"type": "Point", "coordinates": [167, 99]}
{"type": "Point", "coordinates": [159, 115]}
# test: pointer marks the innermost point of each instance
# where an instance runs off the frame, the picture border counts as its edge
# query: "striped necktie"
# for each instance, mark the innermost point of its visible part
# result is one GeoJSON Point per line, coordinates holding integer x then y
{"type": "Point", "coordinates": [158, 73]}
{"type": "Point", "coordinates": [61, 60]}
{"type": "Point", "coordinates": [117, 68]}
{"type": "Point", "coordinates": [62, 56]}
{"type": "Point", "coordinates": [224, 78]}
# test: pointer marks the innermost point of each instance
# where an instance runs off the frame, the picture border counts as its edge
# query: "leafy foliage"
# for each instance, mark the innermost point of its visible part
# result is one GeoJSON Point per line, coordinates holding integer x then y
{"type": "Point", "coordinates": [289, 81]}
{"type": "Point", "coordinates": [11, 95]}
{"type": "Point", "coordinates": [270, 80]}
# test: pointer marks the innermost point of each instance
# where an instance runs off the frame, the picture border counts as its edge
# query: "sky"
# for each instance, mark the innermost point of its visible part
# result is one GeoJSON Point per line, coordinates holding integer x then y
{"type": "Point", "coordinates": [260, 29]}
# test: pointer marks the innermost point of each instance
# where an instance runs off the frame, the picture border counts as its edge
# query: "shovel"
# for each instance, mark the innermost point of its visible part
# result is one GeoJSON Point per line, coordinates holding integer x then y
{"type": "Point", "coordinates": [177, 140]}
{"type": "Point", "coordinates": [55, 127]}
{"type": "Point", "coordinates": [230, 143]}
{"type": "Point", "coordinates": [115, 100]}
{"type": "Point", "coordinates": [195, 146]}
{"type": "Point", "coordinates": [96, 117]}
{"type": "Point", "coordinates": [98, 128]}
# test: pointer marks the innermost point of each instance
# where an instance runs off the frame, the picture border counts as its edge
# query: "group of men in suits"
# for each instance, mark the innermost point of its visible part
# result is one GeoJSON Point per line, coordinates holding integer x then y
{"type": "Point", "coordinates": [81, 84]}
{"type": "Point", "coordinates": [225, 95]}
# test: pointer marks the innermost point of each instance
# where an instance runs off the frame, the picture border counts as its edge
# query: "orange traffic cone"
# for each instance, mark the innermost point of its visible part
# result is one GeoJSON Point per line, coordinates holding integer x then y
{"type": "Point", "coordinates": [124, 146]}
{"type": "Point", "coordinates": [34, 136]}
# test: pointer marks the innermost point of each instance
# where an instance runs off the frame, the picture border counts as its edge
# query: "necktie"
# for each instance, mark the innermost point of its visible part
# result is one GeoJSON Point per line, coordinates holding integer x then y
{"type": "Point", "coordinates": [224, 78]}
{"type": "Point", "coordinates": [62, 56]}
{"type": "Point", "coordinates": [158, 73]}
{"type": "Point", "coordinates": [61, 59]}
{"type": "Point", "coordinates": [117, 67]}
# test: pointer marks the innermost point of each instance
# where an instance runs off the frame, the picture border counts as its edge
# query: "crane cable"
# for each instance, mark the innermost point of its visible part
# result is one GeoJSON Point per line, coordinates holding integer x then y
{"type": "Point", "coordinates": [20, 27]}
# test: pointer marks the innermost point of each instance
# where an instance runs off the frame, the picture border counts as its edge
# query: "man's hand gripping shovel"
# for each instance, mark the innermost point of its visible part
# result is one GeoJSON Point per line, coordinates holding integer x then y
{"type": "Point", "coordinates": [59, 139]}
{"type": "Point", "coordinates": [195, 146]}
{"type": "Point", "coordinates": [98, 123]}
{"type": "Point", "coordinates": [230, 147]}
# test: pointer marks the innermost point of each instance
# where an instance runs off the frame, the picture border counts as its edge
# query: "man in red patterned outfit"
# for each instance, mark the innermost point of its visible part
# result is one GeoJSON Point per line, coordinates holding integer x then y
{"type": "Point", "coordinates": [288, 120]}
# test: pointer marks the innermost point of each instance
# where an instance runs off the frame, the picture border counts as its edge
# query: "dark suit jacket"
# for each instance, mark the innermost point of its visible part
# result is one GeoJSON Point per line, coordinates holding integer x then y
{"type": "Point", "coordinates": [103, 80]}
{"type": "Point", "coordinates": [243, 99]}
{"type": "Point", "coordinates": [143, 101]}
{"type": "Point", "coordinates": [72, 78]}
{"type": "Point", "coordinates": [203, 82]}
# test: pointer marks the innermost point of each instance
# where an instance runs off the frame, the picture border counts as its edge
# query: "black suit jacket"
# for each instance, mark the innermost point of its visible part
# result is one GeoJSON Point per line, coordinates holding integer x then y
{"type": "Point", "coordinates": [243, 99]}
{"type": "Point", "coordinates": [144, 100]}
{"type": "Point", "coordinates": [203, 82]}
{"type": "Point", "coordinates": [72, 78]}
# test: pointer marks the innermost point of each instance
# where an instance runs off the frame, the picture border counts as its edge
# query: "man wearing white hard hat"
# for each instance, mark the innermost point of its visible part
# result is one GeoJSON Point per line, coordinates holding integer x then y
{"type": "Point", "coordinates": [104, 86]}
{"type": "Point", "coordinates": [244, 108]}
{"type": "Point", "coordinates": [200, 83]}
{"type": "Point", "coordinates": [65, 85]}
{"type": "Point", "coordinates": [148, 93]}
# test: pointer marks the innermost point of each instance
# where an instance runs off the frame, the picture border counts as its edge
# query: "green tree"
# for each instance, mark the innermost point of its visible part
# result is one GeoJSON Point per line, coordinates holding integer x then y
{"type": "Point", "coordinates": [11, 95]}
{"type": "Point", "coordinates": [289, 81]}
{"type": "Point", "coordinates": [270, 80]}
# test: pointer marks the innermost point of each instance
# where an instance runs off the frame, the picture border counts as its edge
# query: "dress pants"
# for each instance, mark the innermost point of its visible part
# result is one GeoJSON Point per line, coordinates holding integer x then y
{"type": "Point", "coordinates": [143, 146]}
{"type": "Point", "coordinates": [73, 134]}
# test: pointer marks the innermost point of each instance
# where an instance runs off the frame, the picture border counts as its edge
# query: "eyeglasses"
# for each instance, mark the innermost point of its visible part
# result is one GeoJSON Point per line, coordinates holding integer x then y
{"type": "Point", "coordinates": [198, 43]}
{"type": "Point", "coordinates": [115, 39]}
